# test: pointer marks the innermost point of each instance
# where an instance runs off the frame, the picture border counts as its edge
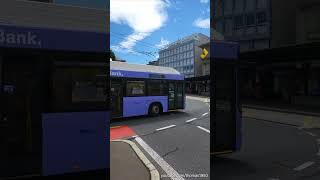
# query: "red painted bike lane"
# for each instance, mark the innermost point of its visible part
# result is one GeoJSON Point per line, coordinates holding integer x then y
{"type": "Point", "coordinates": [121, 132]}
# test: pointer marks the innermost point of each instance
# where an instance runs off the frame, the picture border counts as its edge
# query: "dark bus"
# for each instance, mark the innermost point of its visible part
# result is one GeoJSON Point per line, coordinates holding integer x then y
{"type": "Point", "coordinates": [225, 114]}
{"type": "Point", "coordinates": [54, 103]}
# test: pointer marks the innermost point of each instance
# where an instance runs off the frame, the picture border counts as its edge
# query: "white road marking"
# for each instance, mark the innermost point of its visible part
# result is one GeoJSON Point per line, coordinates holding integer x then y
{"type": "Point", "coordinates": [318, 154]}
{"type": "Point", "coordinates": [304, 165]}
{"type": "Point", "coordinates": [311, 134]}
{"type": "Point", "coordinates": [190, 120]}
{"type": "Point", "coordinates": [204, 129]}
{"type": "Point", "coordinates": [205, 114]}
{"type": "Point", "coordinates": [173, 174]}
{"type": "Point", "coordinates": [167, 127]}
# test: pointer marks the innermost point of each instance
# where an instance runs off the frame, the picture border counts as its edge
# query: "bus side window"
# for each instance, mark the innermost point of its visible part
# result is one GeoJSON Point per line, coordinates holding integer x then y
{"type": "Point", "coordinates": [157, 88]}
{"type": "Point", "coordinates": [135, 88]}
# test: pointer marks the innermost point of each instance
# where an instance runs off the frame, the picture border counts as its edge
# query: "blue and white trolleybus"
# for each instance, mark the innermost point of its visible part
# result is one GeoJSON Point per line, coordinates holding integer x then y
{"type": "Point", "coordinates": [144, 89]}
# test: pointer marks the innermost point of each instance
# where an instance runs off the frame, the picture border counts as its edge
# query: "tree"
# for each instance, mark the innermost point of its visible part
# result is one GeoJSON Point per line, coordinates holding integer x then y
{"type": "Point", "coordinates": [112, 55]}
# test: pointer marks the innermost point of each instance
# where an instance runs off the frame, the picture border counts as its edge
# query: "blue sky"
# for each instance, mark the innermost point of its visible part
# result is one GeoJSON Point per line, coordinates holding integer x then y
{"type": "Point", "coordinates": [140, 27]}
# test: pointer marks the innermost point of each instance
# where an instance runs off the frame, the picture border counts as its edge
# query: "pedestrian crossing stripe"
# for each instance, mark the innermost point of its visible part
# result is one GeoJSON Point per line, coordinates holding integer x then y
{"type": "Point", "coordinates": [204, 53]}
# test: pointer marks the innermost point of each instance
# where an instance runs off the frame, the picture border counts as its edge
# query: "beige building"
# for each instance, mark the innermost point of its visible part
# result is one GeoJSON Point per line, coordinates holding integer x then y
{"type": "Point", "coordinates": [282, 37]}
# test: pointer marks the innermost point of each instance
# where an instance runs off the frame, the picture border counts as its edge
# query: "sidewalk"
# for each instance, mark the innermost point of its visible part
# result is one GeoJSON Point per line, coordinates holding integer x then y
{"type": "Point", "coordinates": [308, 111]}
{"type": "Point", "coordinates": [299, 116]}
{"type": "Point", "coordinates": [128, 162]}
{"type": "Point", "coordinates": [302, 117]}
{"type": "Point", "coordinates": [199, 98]}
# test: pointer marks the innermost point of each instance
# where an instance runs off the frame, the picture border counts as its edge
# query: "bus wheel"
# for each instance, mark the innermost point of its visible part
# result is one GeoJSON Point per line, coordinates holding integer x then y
{"type": "Point", "coordinates": [155, 109]}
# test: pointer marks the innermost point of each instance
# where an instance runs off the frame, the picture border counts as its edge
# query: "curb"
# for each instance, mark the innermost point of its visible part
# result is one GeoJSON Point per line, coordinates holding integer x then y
{"type": "Point", "coordinates": [271, 121]}
{"type": "Point", "coordinates": [153, 171]}
{"type": "Point", "coordinates": [281, 110]}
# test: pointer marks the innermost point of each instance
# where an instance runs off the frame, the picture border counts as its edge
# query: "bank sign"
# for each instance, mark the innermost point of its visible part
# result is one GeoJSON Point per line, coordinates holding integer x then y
{"type": "Point", "coordinates": [53, 39]}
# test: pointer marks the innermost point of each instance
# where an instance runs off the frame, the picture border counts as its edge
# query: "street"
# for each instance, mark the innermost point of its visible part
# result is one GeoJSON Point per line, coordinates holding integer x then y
{"type": "Point", "coordinates": [272, 150]}
{"type": "Point", "coordinates": [177, 143]}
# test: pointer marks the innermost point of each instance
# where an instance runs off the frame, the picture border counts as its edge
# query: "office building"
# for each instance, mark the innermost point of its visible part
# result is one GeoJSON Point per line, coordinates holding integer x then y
{"type": "Point", "coordinates": [280, 38]}
{"type": "Point", "coordinates": [184, 55]}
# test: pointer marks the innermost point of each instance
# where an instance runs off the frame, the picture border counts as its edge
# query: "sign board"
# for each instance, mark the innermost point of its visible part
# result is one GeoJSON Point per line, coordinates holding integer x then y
{"type": "Point", "coordinates": [204, 53]}
{"type": "Point", "coordinates": [53, 39]}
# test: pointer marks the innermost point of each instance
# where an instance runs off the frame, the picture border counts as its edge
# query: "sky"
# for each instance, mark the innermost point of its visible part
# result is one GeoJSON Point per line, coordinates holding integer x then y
{"type": "Point", "coordinates": [139, 28]}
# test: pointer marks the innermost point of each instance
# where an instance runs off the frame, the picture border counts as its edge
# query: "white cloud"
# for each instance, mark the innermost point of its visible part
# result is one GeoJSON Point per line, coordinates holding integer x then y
{"type": "Point", "coordinates": [202, 23]}
{"type": "Point", "coordinates": [143, 16]}
{"type": "Point", "coordinates": [119, 49]}
{"type": "Point", "coordinates": [162, 43]}
{"type": "Point", "coordinates": [204, 1]}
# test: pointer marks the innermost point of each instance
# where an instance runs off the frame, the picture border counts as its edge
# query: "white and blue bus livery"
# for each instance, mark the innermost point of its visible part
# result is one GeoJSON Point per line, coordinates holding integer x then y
{"type": "Point", "coordinates": [138, 90]}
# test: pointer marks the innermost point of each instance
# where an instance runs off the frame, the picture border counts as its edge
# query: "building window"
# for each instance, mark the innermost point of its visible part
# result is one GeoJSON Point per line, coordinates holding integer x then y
{"type": "Point", "coordinates": [250, 5]}
{"type": "Point", "coordinates": [261, 18]}
{"type": "Point", "coordinates": [218, 8]}
{"type": "Point", "coordinates": [261, 44]}
{"type": "Point", "coordinates": [262, 4]}
{"type": "Point", "coordinates": [239, 4]}
{"type": "Point", "coordinates": [250, 19]}
{"type": "Point", "coordinates": [228, 27]}
{"type": "Point", "coordinates": [228, 7]}
{"type": "Point", "coordinates": [238, 22]}
{"type": "Point", "coordinates": [251, 44]}
{"type": "Point", "coordinates": [219, 26]}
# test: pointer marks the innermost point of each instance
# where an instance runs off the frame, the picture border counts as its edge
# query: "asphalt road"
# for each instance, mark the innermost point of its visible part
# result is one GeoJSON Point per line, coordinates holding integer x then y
{"type": "Point", "coordinates": [271, 151]}
{"type": "Point", "coordinates": [183, 148]}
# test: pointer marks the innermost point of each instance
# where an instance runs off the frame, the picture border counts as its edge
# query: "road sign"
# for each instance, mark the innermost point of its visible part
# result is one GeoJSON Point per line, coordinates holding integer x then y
{"type": "Point", "coordinates": [204, 53]}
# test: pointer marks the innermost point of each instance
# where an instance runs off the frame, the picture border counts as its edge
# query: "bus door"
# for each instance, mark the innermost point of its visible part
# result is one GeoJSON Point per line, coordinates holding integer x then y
{"type": "Point", "coordinates": [116, 97]}
{"type": "Point", "coordinates": [22, 99]}
{"type": "Point", "coordinates": [179, 95]}
{"type": "Point", "coordinates": [225, 106]}
{"type": "Point", "coordinates": [176, 95]}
